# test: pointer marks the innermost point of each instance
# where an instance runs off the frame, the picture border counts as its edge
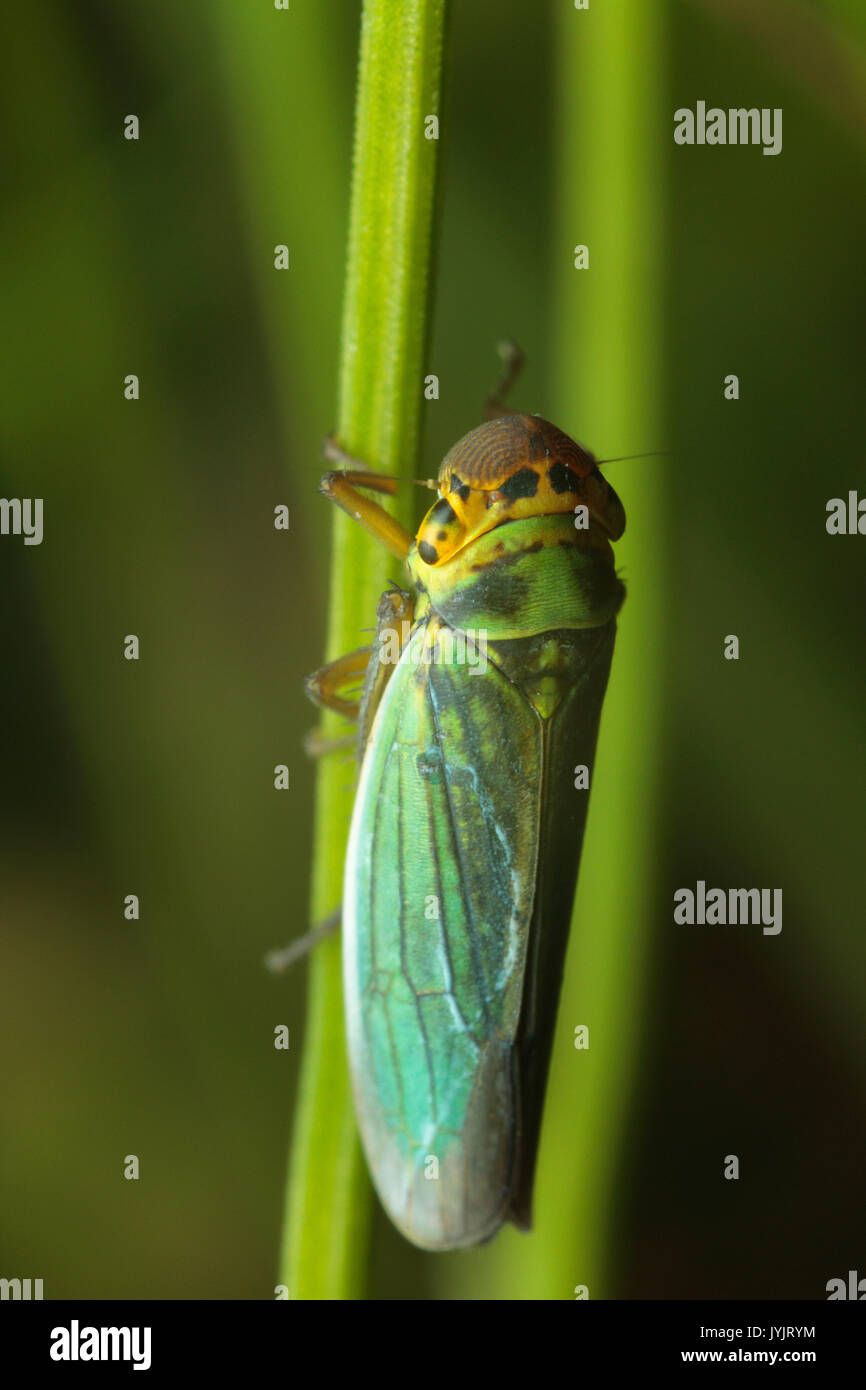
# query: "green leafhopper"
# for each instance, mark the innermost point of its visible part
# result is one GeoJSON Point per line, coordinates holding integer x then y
{"type": "Point", "coordinates": [482, 698]}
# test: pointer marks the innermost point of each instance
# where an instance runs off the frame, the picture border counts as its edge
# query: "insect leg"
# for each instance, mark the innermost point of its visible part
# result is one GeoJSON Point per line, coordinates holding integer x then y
{"type": "Point", "coordinates": [322, 686]}
{"type": "Point", "coordinates": [394, 614]}
{"type": "Point", "coordinates": [317, 746]}
{"type": "Point", "coordinates": [349, 463]}
{"type": "Point", "coordinates": [278, 961]}
{"type": "Point", "coordinates": [342, 488]}
{"type": "Point", "coordinates": [513, 359]}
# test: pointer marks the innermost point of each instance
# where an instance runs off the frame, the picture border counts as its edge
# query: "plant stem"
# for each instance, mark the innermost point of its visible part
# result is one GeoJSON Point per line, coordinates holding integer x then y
{"type": "Point", "coordinates": [384, 338]}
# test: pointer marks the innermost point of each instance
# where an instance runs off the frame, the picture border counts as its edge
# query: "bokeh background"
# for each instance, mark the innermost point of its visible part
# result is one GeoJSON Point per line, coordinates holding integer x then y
{"type": "Point", "coordinates": [156, 777]}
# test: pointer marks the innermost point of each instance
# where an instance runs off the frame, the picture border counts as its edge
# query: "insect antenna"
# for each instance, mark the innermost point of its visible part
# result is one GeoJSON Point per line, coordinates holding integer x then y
{"type": "Point", "coordinates": [623, 458]}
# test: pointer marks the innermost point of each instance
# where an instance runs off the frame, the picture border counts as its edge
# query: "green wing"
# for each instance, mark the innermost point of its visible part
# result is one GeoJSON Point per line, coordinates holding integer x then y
{"type": "Point", "coordinates": [437, 905]}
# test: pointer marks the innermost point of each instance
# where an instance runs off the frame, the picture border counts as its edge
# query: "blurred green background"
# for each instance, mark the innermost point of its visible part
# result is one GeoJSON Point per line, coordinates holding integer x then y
{"type": "Point", "coordinates": [156, 777]}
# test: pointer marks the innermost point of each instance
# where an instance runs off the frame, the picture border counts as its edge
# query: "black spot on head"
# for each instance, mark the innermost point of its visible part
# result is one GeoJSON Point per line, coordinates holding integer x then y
{"type": "Point", "coordinates": [442, 513]}
{"type": "Point", "coordinates": [523, 483]}
{"type": "Point", "coordinates": [441, 535]}
{"type": "Point", "coordinates": [458, 486]}
{"type": "Point", "coordinates": [429, 554]}
{"type": "Point", "coordinates": [563, 478]}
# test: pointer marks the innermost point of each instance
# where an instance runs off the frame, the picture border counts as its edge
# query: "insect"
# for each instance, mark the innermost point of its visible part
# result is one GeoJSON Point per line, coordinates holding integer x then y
{"type": "Point", "coordinates": [478, 721]}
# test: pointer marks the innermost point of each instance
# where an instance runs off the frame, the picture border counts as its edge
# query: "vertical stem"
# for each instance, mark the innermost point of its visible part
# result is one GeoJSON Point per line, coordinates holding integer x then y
{"type": "Point", "coordinates": [384, 339]}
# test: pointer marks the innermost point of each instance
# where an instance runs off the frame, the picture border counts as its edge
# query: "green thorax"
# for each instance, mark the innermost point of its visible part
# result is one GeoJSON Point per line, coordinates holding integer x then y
{"type": "Point", "coordinates": [523, 578]}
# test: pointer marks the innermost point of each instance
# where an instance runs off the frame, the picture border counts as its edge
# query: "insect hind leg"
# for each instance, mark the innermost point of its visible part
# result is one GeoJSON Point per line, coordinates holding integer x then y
{"type": "Point", "coordinates": [279, 961]}
{"type": "Point", "coordinates": [512, 359]}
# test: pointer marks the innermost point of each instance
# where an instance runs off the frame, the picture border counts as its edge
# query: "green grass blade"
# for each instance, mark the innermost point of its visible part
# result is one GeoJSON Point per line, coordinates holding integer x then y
{"type": "Point", "coordinates": [381, 390]}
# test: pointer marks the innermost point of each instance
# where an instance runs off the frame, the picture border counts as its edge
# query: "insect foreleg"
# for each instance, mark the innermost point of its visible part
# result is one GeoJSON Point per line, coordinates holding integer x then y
{"type": "Point", "coordinates": [342, 488]}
